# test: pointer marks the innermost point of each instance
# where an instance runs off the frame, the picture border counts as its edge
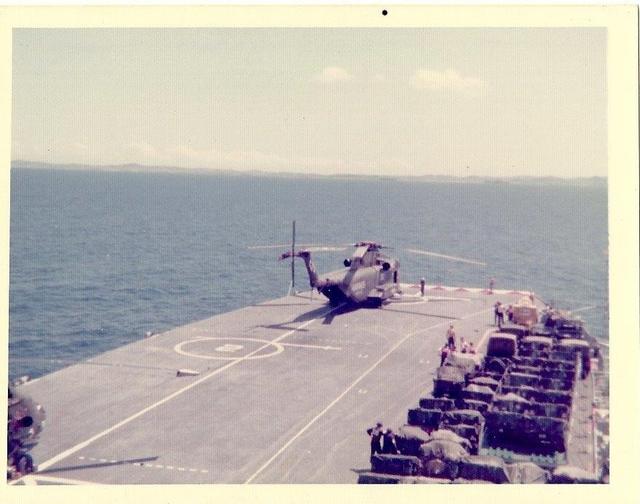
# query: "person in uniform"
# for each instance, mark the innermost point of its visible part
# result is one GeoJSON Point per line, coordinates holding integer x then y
{"type": "Point", "coordinates": [451, 337]}
{"type": "Point", "coordinates": [389, 445]}
{"type": "Point", "coordinates": [500, 310]}
{"type": "Point", "coordinates": [376, 438]}
{"type": "Point", "coordinates": [444, 353]}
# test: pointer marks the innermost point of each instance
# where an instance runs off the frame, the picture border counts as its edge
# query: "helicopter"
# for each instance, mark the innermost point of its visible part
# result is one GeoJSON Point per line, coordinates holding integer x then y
{"type": "Point", "coordinates": [369, 277]}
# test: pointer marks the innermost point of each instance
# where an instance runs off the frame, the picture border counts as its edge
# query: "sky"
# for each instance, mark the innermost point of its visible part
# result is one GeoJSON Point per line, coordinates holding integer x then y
{"type": "Point", "coordinates": [427, 101]}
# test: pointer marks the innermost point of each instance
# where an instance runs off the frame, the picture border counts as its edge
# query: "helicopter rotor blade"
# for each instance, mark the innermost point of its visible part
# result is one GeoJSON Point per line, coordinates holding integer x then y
{"type": "Point", "coordinates": [284, 245]}
{"type": "Point", "coordinates": [324, 248]}
{"type": "Point", "coordinates": [311, 247]}
{"type": "Point", "coordinates": [443, 256]}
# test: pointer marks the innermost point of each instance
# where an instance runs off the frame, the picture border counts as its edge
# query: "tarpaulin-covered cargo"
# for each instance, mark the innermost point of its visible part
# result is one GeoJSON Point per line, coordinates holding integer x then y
{"type": "Point", "coordinates": [519, 379]}
{"type": "Point", "coordinates": [546, 434]}
{"type": "Point", "coordinates": [510, 398]}
{"type": "Point", "coordinates": [573, 346]}
{"type": "Point", "coordinates": [429, 418]}
{"type": "Point", "coordinates": [550, 410]}
{"type": "Point", "coordinates": [409, 439]}
{"type": "Point", "coordinates": [537, 342]}
{"type": "Point", "coordinates": [538, 362]}
{"type": "Point", "coordinates": [568, 328]}
{"type": "Point", "coordinates": [468, 363]}
{"type": "Point", "coordinates": [564, 354]}
{"type": "Point", "coordinates": [558, 374]}
{"type": "Point", "coordinates": [527, 473]}
{"type": "Point", "coordinates": [490, 374]}
{"type": "Point", "coordinates": [523, 391]}
{"type": "Point", "coordinates": [484, 467]}
{"type": "Point", "coordinates": [425, 480]}
{"type": "Point", "coordinates": [520, 368]}
{"type": "Point", "coordinates": [448, 381]}
{"type": "Point", "coordinates": [477, 393]}
{"type": "Point", "coordinates": [486, 382]}
{"type": "Point", "coordinates": [405, 465]}
{"type": "Point", "coordinates": [553, 384]}
{"type": "Point", "coordinates": [468, 417]}
{"type": "Point", "coordinates": [438, 468]}
{"type": "Point", "coordinates": [546, 396]}
{"type": "Point", "coordinates": [370, 478]}
{"type": "Point", "coordinates": [463, 481]}
{"type": "Point", "coordinates": [448, 451]}
{"type": "Point", "coordinates": [441, 403]}
{"type": "Point", "coordinates": [496, 365]}
{"type": "Point", "coordinates": [502, 345]}
{"type": "Point", "coordinates": [469, 432]}
{"type": "Point", "coordinates": [449, 435]}
{"type": "Point", "coordinates": [571, 474]}
{"type": "Point", "coordinates": [473, 404]}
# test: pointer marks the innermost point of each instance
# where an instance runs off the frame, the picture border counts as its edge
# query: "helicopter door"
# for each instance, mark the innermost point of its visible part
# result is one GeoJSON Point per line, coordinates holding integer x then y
{"type": "Point", "coordinates": [384, 277]}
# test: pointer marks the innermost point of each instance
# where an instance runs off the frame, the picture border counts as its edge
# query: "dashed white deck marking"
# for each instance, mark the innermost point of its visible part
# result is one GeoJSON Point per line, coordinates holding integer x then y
{"type": "Point", "coordinates": [145, 465]}
{"type": "Point", "coordinates": [70, 451]}
{"type": "Point", "coordinates": [349, 388]}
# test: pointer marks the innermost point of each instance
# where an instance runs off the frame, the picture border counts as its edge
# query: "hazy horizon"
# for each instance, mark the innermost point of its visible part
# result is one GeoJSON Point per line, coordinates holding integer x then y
{"type": "Point", "coordinates": [429, 101]}
{"type": "Point", "coordinates": [137, 167]}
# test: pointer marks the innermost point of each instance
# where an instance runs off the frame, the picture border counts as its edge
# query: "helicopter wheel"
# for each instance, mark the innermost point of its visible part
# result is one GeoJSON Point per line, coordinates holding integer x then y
{"type": "Point", "coordinates": [25, 464]}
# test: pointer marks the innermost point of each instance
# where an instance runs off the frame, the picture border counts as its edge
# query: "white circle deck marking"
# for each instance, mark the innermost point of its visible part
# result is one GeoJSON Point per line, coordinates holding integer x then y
{"type": "Point", "coordinates": [278, 348]}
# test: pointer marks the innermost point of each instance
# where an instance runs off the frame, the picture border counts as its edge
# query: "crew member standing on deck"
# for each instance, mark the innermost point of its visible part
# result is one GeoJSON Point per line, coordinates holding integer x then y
{"type": "Point", "coordinates": [444, 353]}
{"type": "Point", "coordinates": [389, 445]}
{"type": "Point", "coordinates": [500, 310]}
{"type": "Point", "coordinates": [376, 438]}
{"type": "Point", "coordinates": [451, 338]}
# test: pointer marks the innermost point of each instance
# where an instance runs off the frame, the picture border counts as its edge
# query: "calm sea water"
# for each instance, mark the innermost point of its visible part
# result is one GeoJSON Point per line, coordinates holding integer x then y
{"type": "Point", "coordinates": [99, 258]}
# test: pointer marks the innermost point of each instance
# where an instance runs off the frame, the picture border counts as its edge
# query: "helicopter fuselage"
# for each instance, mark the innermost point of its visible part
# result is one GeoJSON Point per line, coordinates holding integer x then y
{"type": "Point", "coordinates": [369, 277]}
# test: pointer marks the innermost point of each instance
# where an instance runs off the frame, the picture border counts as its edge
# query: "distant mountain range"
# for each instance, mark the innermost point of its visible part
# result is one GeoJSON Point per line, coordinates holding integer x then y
{"type": "Point", "coordinates": [137, 168]}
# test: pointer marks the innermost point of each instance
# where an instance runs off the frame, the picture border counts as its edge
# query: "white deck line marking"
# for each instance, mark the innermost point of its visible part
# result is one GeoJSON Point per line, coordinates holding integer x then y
{"type": "Point", "coordinates": [55, 479]}
{"type": "Point", "coordinates": [348, 389]}
{"type": "Point", "coordinates": [84, 444]}
{"type": "Point", "coordinates": [310, 346]}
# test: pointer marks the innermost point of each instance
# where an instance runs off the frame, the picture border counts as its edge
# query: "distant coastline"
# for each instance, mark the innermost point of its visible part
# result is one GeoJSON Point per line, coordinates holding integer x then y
{"type": "Point", "coordinates": [451, 179]}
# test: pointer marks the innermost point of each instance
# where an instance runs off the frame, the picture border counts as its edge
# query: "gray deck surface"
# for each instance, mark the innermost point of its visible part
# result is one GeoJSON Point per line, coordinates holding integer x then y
{"type": "Point", "coordinates": [285, 392]}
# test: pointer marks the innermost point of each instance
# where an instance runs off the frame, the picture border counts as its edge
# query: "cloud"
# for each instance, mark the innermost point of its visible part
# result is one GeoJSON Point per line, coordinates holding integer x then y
{"type": "Point", "coordinates": [333, 74]}
{"type": "Point", "coordinates": [448, 79]}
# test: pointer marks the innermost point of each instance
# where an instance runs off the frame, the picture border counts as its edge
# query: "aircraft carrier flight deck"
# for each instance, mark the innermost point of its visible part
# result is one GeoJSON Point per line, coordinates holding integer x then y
{"type": "Point", "coordinates": [280, 392]}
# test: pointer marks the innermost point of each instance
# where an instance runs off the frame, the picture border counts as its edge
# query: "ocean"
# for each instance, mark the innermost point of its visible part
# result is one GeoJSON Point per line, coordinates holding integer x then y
{"type": "Point", "coordinates": [98, 258]}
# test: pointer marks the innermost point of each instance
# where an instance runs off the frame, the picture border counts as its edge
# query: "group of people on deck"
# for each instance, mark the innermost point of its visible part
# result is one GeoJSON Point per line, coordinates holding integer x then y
{"type": "Point", "coordinates": [499, 310]}
{"type": "Point", "coordinates": [450, 345]}
{"type": "Point", "coordinates": [382, 440]}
